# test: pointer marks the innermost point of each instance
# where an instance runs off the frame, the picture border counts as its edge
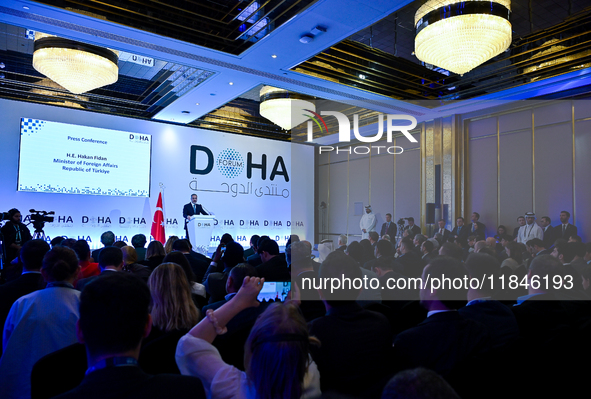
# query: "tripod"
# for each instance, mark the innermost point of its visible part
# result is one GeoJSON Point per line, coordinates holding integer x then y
{"type": "Point", "coordinates": [39, 233]}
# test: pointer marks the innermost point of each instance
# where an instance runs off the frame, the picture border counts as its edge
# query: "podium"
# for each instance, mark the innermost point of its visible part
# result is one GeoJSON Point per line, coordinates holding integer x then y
{"type": "Point", "coordinates": [200, 228]}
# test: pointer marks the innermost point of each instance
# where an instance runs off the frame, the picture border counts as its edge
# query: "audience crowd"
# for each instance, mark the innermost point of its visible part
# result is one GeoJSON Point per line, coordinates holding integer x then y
{"type": "Point", "coordinates": [126, 321]}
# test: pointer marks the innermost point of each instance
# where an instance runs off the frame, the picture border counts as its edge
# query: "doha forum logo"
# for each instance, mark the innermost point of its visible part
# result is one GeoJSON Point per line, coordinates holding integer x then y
{"type": "Point", "coordinates": [230, 163]}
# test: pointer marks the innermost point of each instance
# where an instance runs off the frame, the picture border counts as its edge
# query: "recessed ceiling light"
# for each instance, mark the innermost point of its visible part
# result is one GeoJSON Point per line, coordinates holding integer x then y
{"type": "Point", "coordinates": [274, 56]}
{"type": "Point", "coordinates": [196, 103]}
{"type": "Point", "coordinates": [361, 76]}
{"type": "Point", "coordinates": [230, 83]}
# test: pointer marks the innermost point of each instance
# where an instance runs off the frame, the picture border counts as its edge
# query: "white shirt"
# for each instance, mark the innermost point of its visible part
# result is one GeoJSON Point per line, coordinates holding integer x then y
{"type": "Point", "coordinates": [38, 324]}
{"type": "Point", "coordinates": [528, 232]}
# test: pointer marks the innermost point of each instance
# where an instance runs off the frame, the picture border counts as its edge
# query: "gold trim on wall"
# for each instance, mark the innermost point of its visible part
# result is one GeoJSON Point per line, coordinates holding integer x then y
{"type": "Point", "coordinates": [498, 173]}
{"type": "Point", "coordinates": [533, 160]}
{"type": "Point", "coordinates": [572, 105]}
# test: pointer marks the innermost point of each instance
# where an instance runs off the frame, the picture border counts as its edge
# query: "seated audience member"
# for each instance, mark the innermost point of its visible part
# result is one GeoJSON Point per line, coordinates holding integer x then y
{"type": "Point", "coordinates": [56, 241]}
{"type": "Point", "coordinates": [444, 339]}
{"type": "Point", "coordinates": [501, 231]}
{"type": "Point", "coordinates": [233, 283]}
{"type": "Point", "coordinates": [119, 244]}
{"type": "Point", "coordinates": [302, 271]}
{"type": "Point", "coordinates": [515, 266]}
{"type": "Point", "coordinates": [451, 250]}
{"type": "Point", "coordinates": [139, 242]}
{"type": "Point", "coordinates": [417, 241]}
{"type": "Point", "coordinates": [130, 264]}
{"type": "Point", "coordinates": [219, 270]}
{"type": "Point", "coordinates": [112, 334]}
{"type": "Point", "coordinates": [173, 314]}
{"type": "Point", "coordinates": [274, 266]}
{"type": "Point", "coordinates": [110, 260]}
{"type": "Point", "coordinates": [480, 245]}
{"type": "Point", "coordinates": [342, 243]}
{"type": "Point", "coordinates": [539, 312]}
{"type": "Point", "coordinates": [373, 238]}
{"type": "Point", "coordinates": [197, 289]}
{"type": "Point", "coordinates": [154, 255]}
{"type": "Point", "coordinates": [276, 356]}
{"type": "Point", "coordinates": [107, 239]}
{"type": "Point", "coordinates": [578, 263]}
{"type": "Point", "coordinates": [419, 383]}
{"type": "Point", "coordinates": [408, 262]}
{"type": "Point", "coordinates": [497, 317]}
{"type": "Point", "coordinates": [226, 238]}
{"type": "Point", "coordinates": [168, 246]}
{"type": "Point", "coordinates": [255, 259]}
{"type": "Point", "coordinates": [461, 232]}
{"type": "Point", "coordinates": [436, 247]}
{"type": "Point", "coordinates": [444, 234]}
{"type": "Point", "coordinates": [87, 268]}
{"type": "Point", "coordinates": [40, 323]}
{"type": "Point", "coordinates": [384, 253]}
{"type": "Point", "coordinates": [253, 246]}
{"type": "Point", "coordinates": [427, 251]}
{"type": "Point", "coordinates": [363, 368]}
{"type": "Point", "coordinates": [198, 262]}
{"type": "Point", "coordinates": [575, 238]}
{"type": "Point", "coordinates": [31, 255]}
{"type": "Point", "coordinates": [368, 251]}
{"type": "Point", "coordinates": [471, 243]}
{"type": "Point", "coordinates": [536, 247]}
{"type": "Point", "coordinates": [383, 267]}
{"type": "Point", "coordinates": [355, 251]}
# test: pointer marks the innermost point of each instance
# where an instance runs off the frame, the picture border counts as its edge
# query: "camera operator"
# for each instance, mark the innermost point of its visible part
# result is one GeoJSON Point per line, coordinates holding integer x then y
{"type": "Point", "coordinates": [15, 234]}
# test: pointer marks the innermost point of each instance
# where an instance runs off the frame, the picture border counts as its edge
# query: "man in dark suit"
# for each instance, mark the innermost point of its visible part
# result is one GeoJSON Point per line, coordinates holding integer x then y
{"type": "Point", "coordinates": [497, 317]}
{"type": "Point", "coordinates": [342, 243]}
{"type": "Point", "coordinates": [255, 259]}
{"type": "Point", "coordinates": [299, 257]}
{"type": "Point", "coordinates": [414, 229]}
{"type": "Point", "coordinates": [460, 231]}
{"type": "Point", "coordinates": [365, 362]}
{"type": "Point", "coordinates": [199, 263]}
{"type": "Point", "coordinates": [564, 230]}
{"type": "Point", "coordinates": [190, 209]}
{"type": "Point", "coordinates": [219, 269]}
{"type": "Point", "coordinates": [445, 233]}
{"type": "Point", "coordinates": [113, 334]}
{"type": "Point", "coordinates": [444, 339]}
{"type": "Point", "coordinates": [549, 235]}
{"type": "Point", "coordinates": [520, 222]}
{"type": "Point", "coordinates": [477, 228]}
{"type": "Point", "coordinates": [536, 247]}
{"type": "Point", "coordinates": [110, 260]}
{"type": "Point", "coordinates": [253, 246]}
{"type": "Point", "coordinates": [274, 266]}
{"type": "Point", "coordinates": [31, 253]}
{"type": "Point", "coordinates": [389, 227]}
{"type": "Point", "coordinates": [107, 239]}
{"type": "Point", "coordinates": [233, 284]}
{"type": "Point", "coordinates": [408, 262]}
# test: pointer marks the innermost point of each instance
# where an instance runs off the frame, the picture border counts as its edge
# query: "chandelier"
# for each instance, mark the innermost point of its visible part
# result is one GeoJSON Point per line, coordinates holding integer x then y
{"type": "Point", "coordinates": [460, 35]}
{"type": "Point", "coordinates": [284, 108]}
{"type": "Point", "coordinates": [78, 67]}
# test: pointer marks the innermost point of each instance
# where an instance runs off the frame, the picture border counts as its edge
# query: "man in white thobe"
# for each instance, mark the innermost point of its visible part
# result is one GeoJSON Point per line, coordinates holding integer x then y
{"type": "Point", "coordinates": [531, 229]}
{"type": "Point", "coordinates": [367, 223]}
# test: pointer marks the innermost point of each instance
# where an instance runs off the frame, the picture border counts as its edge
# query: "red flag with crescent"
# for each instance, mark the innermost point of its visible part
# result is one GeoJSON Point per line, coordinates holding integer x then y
{"type": "Point", "coordinates": [158, 223]}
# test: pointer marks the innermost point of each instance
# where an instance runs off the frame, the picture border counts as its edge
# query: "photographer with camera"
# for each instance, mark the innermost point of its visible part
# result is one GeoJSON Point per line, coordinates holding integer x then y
{"type": "Point", "coordinates": [15, 234]}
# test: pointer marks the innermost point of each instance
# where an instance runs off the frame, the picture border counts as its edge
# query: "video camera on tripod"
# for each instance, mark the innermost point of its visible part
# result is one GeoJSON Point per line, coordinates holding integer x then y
{"type": "Point", "coordinates": [38, 219]}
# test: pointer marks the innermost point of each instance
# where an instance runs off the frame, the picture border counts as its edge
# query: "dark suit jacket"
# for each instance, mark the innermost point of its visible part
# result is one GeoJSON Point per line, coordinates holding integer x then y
{"type": "Point", "coordinates": [311, 305]}
{"type": "Point", "coordinates": [215, 284]}
{"type": "Point", "coordinates": [415, 229]}
{"type": "Point", "coordinates": [463, 233]}
{"type": "Point", "coordinates": [441, 342]}
{"type": "Point", "coordinates": [275, 269]}
{"type": "Point", "coordinates": [391, 231]}
{"type": "Point", "coordinates": [131, 382]}
{"type": "Point", "coordinates": [355, 350]}
{"type": "Point", "coordinates": [549, 236]}
{"type": "Point", "coordinates": [480, 232]}
{"type": "Point", "coordinates": [199, 264]}
{"type": "Point", "coordinates": [497, 317]}
{"type": "Point", "coordinates": [13, 290]}
{"type": "Point", "coordinates": [446, 235]}
{"type": "Point", "coordinates": [409, 264]}
{"type": "Point", "coordinates": [188, 211]}
{"type": "Point", "coordinates": [9, 232]}
{"type": "Point", "coordinates": [58, 372]}
{"type": "Point", "coordinates": [570, 231]}
{"type": "Point", "coordinates": [254, 260]}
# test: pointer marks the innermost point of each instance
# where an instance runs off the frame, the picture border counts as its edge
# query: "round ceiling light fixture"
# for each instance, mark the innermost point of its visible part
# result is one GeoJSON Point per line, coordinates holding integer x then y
{"type": "Point", "coordinates": [460, 35]}
{"type": "Point", "coordinates": [78, 67]}
{"type": "Point", "coordinates": [284, 108]}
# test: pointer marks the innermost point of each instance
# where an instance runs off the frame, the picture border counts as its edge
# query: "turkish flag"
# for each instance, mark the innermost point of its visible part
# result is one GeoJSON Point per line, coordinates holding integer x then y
{"type": "Point", "coordinates": [158, 223]}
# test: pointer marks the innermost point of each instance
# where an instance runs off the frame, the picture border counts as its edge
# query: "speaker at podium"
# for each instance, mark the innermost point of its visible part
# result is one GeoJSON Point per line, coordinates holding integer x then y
{"type": "Point", "coordinates": [200, 228]}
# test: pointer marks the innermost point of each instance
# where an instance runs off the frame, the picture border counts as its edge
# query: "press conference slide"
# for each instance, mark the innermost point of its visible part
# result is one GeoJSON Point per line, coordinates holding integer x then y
{"type": "Point", "coordinates": [71, 159]}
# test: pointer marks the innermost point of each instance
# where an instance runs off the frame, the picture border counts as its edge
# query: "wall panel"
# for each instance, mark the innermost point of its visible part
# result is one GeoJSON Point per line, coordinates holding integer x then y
{"type": "Point", "coordinates": [483, 181]}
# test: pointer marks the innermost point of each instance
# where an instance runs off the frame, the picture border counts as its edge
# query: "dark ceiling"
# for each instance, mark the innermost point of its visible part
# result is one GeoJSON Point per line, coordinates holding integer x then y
{"type": "Point", "coordinates": [230, 26]}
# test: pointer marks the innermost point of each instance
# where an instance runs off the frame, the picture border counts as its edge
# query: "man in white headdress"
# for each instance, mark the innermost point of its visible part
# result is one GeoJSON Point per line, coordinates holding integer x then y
{"type": "Point", "coordinates": [531, 229]}
{"type": "Point", "coordinates": [367, 223]}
